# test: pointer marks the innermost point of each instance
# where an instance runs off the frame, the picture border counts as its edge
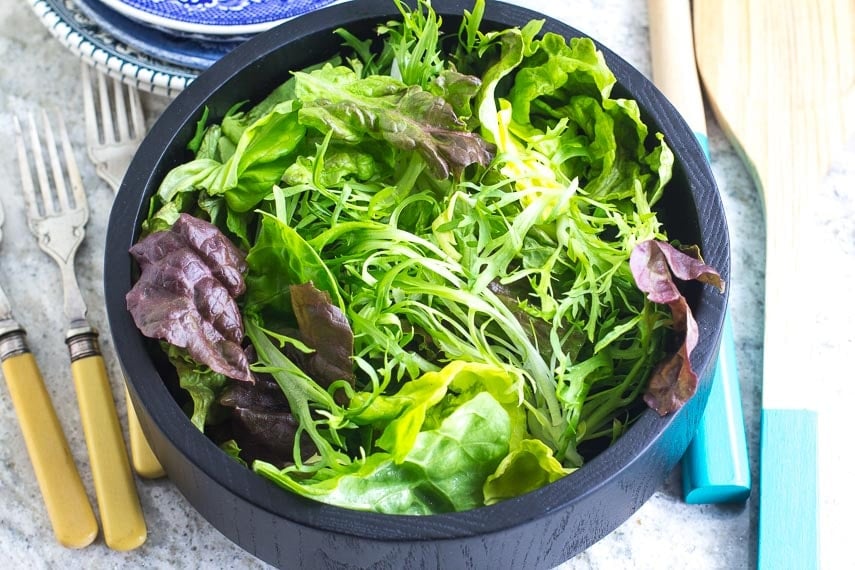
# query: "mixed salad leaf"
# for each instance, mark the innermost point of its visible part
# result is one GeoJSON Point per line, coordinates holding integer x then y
{"type": "Point", "coordinates": [425, 275]}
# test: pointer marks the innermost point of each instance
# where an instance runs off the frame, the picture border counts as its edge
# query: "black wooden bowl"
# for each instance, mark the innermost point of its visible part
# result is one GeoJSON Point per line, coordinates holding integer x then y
{"type": "Point", "coordinates": [537, 530]}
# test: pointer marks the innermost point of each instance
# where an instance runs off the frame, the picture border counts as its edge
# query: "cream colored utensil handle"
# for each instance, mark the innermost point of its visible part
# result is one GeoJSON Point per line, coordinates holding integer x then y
{"type": "Point", "coordinates": [673, 58]}
{"type": "Point", "coordinates": [118, 502]}
{"type": "Point", "coordinates": [143, 458]}
{"type": "Point", "coordinates": [715, 466]}
{"type": "Point", "coordinates": [65, 497]}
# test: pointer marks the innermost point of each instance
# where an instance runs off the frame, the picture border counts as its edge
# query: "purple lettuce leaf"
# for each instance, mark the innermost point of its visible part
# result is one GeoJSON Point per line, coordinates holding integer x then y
{"type": "Point", "coordinates": [654, 265]}
{"type": "Point", "coordinates": [262, 422]}
{"type": "Point", "coordinates": [190, 276]}
{"type": "Point", "coordinates": [324, 328]}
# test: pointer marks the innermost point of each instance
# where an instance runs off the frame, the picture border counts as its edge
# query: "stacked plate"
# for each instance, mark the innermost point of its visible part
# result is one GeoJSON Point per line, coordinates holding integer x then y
{"type": "Point", "coordinates": [161, 45]}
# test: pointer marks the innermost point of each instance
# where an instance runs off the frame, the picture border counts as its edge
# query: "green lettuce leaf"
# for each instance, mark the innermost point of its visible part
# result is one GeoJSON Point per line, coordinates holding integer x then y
{"type": "Point", "coordinates": [280, 258]}
{"type": "Point", "coordinates": [203, 384]}
{"type": "Point", "coordinates": [260, 157]}
{"type": "Point", "coordinates": [528, 467]}
{"type": "Point", "coordinates": [444, 471]}
{"type": "Point", "coordinates": [557, 69]}
{"type": "Point", "coordinates": [404, 413]}
{"type": "Point", "coordinates": [337, 100]}
{"type": "Point", "coordinates": [458, 89]}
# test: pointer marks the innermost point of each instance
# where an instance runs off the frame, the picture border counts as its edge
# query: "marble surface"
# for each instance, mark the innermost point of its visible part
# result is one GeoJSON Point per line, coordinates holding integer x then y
{"type": "Point", "coordinates": [664, 533]}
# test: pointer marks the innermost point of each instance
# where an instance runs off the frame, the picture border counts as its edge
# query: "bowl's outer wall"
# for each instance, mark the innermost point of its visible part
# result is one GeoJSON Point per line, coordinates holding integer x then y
{"type": "Point", "coordinates": [538, 530]}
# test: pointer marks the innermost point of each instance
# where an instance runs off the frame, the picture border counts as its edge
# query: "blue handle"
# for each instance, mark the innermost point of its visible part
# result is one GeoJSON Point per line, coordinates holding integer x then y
{"type": "Point", "coordinates": [788, 491]}
{"type": "Point", "coordinates": [715, 466]}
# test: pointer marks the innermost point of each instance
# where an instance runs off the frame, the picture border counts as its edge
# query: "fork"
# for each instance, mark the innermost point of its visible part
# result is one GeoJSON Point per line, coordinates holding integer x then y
{"type": "Point", "coordinates": [57, 218]}
{"type": "Point", "coordinates": [65, 497]}
{"type": "Point", "coordinates": [115, 125]}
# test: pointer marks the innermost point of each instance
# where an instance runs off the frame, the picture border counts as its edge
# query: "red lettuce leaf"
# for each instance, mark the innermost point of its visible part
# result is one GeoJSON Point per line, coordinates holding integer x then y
{"type": "Point", "coordinates": [407, 117]}
{"type": "Point", "coordinates": [324, 328]}
{"type": "Point", "coordinates": [262, 422]}
{"type": "Point", "coordinates": [190, 275]}
{"type": "Point", "coordinates": [654, 265]}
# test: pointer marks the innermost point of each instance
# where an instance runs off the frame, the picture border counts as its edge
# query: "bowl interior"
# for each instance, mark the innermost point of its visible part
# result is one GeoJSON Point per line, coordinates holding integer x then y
{"type": "Point", "coordinates": [614, 483]}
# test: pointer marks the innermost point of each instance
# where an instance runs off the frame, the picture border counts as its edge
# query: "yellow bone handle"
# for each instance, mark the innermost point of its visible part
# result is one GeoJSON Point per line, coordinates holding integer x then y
{"type": "Point", "coordinates": [65, 497]}
{"type": "Point", "coordinates": [118, 502]}
{"type": "Point", "coordinates": [143, 458]}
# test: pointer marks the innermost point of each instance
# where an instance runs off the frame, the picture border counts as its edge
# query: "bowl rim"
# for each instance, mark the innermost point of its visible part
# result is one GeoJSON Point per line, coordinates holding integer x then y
{"type": "Point", "coordinates": [169, 421]}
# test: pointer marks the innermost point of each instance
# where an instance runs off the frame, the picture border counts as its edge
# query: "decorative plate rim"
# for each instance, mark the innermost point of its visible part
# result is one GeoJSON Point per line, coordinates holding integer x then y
{"type": "Point", "coordinates": [183, 51]}
{"type": "Point", "coordinates": [212, 29]}
{"type": "Point", "coordinates": [128, 67]}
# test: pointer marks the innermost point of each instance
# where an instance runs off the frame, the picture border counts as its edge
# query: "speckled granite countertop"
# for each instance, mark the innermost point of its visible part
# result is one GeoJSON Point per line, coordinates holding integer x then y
{"type": "Point", "coordinates": [665, 533]}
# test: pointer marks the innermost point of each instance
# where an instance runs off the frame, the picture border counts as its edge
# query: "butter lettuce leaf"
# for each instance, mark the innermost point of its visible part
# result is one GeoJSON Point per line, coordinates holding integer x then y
{"type": "Point", "coordinates": [402, 415]}
{"type": "Point", "coordinates": [444, 471]}
{"type": "Point", "coordinates": [263, 152]}
{"type": "Point", "coordinates": [528, 467]}
{"type": "Point", "coordinates": [279, 258]}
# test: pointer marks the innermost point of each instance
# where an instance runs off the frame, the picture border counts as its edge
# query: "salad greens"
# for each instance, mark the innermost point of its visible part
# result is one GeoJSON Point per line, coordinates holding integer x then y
{"type": "Point", "coordinates": [451, 282]}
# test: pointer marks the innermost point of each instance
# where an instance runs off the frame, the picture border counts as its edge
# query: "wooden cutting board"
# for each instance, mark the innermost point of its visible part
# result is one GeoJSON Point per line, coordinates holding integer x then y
{"type": "Point", "coordinates": [780, 77]}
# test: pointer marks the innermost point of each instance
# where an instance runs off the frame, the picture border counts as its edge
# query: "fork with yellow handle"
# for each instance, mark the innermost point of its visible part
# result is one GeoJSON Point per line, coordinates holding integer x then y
{"type": "Point", "coordinates": [65, 497]}
{"type": "Point", "coordinates": [115, 126]}
{"type": "Point", "coordinates": [57, 213]}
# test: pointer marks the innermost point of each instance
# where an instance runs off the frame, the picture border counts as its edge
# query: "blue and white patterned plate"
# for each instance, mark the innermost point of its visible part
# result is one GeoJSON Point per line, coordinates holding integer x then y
{"type": "Point", "coordinates": [188, 52]}
{"type": "Point", "coordinates": [87, 40]}
{"type": "Point", "coordinates": [214, 17]}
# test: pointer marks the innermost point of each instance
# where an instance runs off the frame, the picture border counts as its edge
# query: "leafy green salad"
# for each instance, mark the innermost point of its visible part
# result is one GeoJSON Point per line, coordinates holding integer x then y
{"type": "Point", "coordinates": [425, 275]}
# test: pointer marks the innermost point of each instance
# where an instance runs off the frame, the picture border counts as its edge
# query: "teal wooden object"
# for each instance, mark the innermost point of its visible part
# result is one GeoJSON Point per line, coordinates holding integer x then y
{"type": "Point", "coordinates": [715, 466]}
{"type": "Point", "coordinates": [788, 535]}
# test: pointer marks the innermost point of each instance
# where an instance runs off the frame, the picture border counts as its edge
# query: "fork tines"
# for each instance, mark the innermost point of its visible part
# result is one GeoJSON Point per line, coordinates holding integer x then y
{"type": "Point", "coordinates": [110, 122]}
{"type": "Point", "coordinates": [60, 199]}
